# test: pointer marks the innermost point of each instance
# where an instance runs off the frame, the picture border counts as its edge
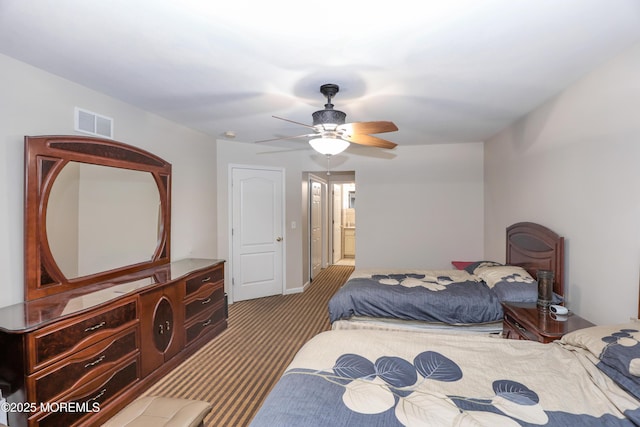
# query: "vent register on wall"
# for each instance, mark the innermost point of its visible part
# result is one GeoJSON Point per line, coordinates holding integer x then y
{"type": "Point", "coordinates": [91, 123]}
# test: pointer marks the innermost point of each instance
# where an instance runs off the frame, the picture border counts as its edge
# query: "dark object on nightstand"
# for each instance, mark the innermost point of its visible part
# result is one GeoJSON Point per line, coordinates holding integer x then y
{"type": "Point", "coordinates": [545, 288]}
{"type": "Point", "coordinates": [526, 321]}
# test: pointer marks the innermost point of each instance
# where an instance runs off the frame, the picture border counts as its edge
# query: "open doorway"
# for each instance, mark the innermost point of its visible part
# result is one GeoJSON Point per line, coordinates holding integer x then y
{"type": "Point", "coordinates": [328, 219]}
{"type": "Point", "coordinates": [343, 223]}
{"type": "Point", "coordinates": [315, 234]}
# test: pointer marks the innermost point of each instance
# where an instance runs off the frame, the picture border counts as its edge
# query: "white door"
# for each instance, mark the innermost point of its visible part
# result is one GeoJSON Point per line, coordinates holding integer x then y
{"type": "Point", "coordinates": [337, 222]}
{"type": "Point", "coordinates": [316, 227]}
{"type": "Point", "coordinates": [257, 232]}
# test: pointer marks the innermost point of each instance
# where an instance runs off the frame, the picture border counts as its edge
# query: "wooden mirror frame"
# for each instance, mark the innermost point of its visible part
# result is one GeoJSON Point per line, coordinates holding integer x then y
{"type": "Point", "coordinates": [45, 156]}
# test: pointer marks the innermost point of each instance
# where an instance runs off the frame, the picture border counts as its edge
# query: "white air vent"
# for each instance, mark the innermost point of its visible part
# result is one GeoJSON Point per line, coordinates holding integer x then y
{"type": "Point", "coordinates": [93, 124]}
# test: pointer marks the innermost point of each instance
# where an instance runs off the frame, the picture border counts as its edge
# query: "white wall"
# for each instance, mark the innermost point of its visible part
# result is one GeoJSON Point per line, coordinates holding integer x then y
{"type": "Point", "coordinates": [574, 166]}
{"type": "Point", "coordinates": [37, 103]}
{"type": "Point", "coordinates": [418, 206]}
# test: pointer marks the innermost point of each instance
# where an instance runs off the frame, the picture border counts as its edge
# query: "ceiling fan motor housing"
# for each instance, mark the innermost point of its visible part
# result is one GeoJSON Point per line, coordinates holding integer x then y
{"type": "Point", "coordinates": [328, 116]}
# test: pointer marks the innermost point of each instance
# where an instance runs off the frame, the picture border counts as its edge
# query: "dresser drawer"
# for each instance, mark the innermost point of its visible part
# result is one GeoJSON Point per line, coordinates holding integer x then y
{"type": "Point", "coordinates": [512, 329]}
{"type": "Point", "coordinates": [211, 276]}
{"type": "Point", "coordinates": [82, 366]}
{"type": "Point", "coordinates": [53, 343]}
{"type": "Point", "coordinates": [208, 321]}
{"type": "Point", "coordinates": [209, 295]}
{"type": "Point", "coordinates": [92, 397]}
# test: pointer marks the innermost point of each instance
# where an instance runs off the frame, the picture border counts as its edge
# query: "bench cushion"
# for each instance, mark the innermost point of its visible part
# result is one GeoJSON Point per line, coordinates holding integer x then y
{"type": "Point", "coordinates": [156, 411]}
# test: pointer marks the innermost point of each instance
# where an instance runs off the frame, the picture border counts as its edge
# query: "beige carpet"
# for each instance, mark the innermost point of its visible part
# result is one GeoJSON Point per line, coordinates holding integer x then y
{"type": "Point", "coordinates": [236, 370]}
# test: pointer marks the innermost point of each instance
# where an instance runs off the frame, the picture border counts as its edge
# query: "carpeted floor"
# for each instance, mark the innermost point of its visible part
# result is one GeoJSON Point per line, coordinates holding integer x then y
{"type": "Point", "coordinates": [236, 370]}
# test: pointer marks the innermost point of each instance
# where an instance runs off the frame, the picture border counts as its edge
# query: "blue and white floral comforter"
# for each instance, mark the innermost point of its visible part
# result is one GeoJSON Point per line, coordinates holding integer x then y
{"type": "Point", "coordinates": [391, 378]}
{"type": "Point", "coordinates": [446, 296]}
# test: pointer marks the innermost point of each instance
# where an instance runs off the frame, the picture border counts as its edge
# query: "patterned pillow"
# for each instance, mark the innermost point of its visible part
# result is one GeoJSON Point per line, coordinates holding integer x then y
{"type": "Point", "coordinates": [618, 349]}
{"type": "Point", "coordinates": [472, 267]}
{"type": "Point", "coordinates": [510, 283]}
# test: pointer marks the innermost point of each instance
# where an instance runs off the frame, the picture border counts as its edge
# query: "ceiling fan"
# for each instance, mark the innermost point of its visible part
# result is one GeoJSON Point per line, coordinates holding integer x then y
{"type": "Point", "coordinates": [331, 135]}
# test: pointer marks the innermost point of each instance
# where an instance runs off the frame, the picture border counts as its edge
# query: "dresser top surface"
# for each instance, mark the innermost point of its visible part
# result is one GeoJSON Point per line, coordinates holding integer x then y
{"type": "Point", "coordinates": [29, 315]}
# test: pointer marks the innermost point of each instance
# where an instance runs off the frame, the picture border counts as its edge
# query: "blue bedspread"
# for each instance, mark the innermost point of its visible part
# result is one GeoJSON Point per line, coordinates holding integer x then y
{"type": "Point", "coordinates": [447, 297]}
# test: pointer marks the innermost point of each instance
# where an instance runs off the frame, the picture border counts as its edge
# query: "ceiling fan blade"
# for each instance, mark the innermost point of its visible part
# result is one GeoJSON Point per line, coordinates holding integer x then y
{"type": "Point", "coordinates": [289, 150]}
{"type": "Point", "coordinates": [368, 127]}
{"type": "Point", "coordinates": [291, 121]}
{"type": "Point", "coordinates": [286, 137]}
{"type": "Point", "coordinates": [364, 139]}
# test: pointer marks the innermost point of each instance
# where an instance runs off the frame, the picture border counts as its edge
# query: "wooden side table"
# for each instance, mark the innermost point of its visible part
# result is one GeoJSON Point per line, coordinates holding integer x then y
{"type": "Point", "coordinates": [524, 321]}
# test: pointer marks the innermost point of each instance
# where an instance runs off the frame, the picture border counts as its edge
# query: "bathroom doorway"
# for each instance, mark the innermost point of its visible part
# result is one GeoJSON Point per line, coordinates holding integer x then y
{"type": "Point", "coordinates": [343, 222]}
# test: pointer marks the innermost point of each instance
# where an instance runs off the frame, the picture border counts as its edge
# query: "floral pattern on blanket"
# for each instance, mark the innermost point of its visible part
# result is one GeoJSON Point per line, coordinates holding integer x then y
{"type": "Point", "coordinates": [411, 280]}
{"type": "Point", "coordinates": [393, 382]}
{"type": "Point", "coordinates": [620, 358]}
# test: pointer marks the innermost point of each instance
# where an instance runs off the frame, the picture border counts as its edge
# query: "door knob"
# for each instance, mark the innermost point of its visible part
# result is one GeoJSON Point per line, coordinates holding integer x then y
{"type": "Point", "coordinates": [279, 239]}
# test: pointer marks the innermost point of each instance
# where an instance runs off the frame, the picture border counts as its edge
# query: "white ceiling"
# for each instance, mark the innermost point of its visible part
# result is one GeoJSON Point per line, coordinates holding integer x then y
{"type": "Point", "coordinates": [442, 70]}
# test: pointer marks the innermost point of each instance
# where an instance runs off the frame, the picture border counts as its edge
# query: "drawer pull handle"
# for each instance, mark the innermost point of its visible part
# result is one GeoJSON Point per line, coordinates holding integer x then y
{"type": "Point", "coordinates": [519, 327]}
{"type": "Point", "coordinates": [93, 328]}
{"type": "Point", "coordinates": [160, 329]}
{"type": "Point", "coordinates": [168, 325]}
{"type": "Point", "coordinates": [98, 396]}
{"type": "Point", "coordinates": [95, 362]}
{"type": "Point", "coordinates": [207, 323]}
{"type": "Point", "coordinates": [206, 279]}
{"type": "Point", "coordinates": [206, 301]}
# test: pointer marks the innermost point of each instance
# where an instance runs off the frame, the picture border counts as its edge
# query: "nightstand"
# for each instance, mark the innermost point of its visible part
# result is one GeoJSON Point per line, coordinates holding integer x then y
{"type": "Point", "coordinates": [524, 321]}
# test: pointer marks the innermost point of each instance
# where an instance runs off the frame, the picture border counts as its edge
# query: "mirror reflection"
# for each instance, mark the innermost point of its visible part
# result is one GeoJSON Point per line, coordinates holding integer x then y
{"type": "Point", "coordinates": [99, 218]}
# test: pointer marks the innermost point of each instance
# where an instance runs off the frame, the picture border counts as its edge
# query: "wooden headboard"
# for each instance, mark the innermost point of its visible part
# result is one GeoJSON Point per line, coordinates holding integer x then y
{"type": "Point", "coordinates": [534, 247]}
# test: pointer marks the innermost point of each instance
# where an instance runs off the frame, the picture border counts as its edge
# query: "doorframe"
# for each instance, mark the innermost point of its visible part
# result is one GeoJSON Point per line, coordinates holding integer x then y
{"type": "Point", "coordinates": [336, 176]}
{"type": "Point", "coordinates": [230, 168]}
{"type": "Point", "coordinates": [324, 221]}
{"type": "Point", "coordinates": [332, 223]}
{"type": "Point", "coordinates": [341, 181]}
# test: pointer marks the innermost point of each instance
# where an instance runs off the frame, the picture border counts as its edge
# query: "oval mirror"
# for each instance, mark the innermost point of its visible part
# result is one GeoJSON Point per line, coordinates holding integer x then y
{"type": "Point", "coordinates": [100, 218]}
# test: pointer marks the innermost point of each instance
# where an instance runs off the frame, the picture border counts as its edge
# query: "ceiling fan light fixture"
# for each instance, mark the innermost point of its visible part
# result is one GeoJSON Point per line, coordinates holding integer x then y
{"type": "Point", "coordinates": [329, 146]}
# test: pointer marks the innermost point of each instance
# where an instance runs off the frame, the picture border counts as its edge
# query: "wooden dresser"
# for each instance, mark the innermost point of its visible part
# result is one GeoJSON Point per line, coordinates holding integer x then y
{"type": "Point", "coordinates": [77, 357]}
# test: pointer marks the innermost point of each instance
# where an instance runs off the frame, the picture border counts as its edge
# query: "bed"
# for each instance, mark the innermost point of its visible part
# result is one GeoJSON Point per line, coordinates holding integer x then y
{"type": "Point", "coordinates": [400, 378]}
{"type": "Point", "coordinates": [460, 300]}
